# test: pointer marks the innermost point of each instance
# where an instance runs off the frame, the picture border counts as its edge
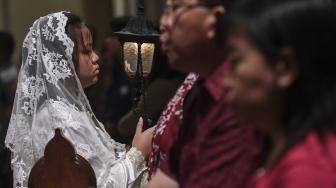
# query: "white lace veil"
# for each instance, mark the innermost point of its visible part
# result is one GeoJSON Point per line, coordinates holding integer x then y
{"type": "Point", "coordinates": [50, 92]}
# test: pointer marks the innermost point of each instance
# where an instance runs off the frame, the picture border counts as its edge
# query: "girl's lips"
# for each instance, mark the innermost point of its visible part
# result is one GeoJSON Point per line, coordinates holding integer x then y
{"type": "Point", "coordinates": [97, 70]}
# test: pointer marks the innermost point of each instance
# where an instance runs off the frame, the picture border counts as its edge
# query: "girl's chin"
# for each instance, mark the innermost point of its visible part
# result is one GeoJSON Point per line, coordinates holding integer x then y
{"type": "Point", "coordinates": [92, 82]}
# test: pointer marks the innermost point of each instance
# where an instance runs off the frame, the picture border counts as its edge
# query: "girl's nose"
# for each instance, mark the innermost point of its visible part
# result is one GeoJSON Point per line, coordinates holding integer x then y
{"type": "Point", "coordinates": [94, 57]}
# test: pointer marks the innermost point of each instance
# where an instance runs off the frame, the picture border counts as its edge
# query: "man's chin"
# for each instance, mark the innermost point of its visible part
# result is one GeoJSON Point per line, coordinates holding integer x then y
{"type": "Point", "coordinates": [176, 62]}
{"type": "Point", "coordinates": [180, 66]}
{"type": "Point", "coordinates": [173, 60]}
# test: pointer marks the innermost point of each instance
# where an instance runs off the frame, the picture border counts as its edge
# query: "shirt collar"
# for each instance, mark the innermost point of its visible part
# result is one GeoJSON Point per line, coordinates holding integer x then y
{"type": "Point", "coordinates": [214, 81]}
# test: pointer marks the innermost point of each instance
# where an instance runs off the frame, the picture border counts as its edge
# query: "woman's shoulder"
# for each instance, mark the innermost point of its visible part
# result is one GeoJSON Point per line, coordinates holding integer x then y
{"type": "Point", "coordinates": [314, 150]}
{"type": "Point", "coordinates": [311, 163]}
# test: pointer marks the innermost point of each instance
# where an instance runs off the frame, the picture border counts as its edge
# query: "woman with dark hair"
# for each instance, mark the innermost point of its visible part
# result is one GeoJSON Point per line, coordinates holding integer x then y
{"type": "Point", "coordinates": [282, 79]}
{"type": "Point", "coordinates": [58, 61]}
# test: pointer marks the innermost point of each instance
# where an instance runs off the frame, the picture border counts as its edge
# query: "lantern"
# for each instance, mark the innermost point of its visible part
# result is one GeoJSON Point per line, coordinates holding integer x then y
{"type": "Point", "coordinates": [139, 40]}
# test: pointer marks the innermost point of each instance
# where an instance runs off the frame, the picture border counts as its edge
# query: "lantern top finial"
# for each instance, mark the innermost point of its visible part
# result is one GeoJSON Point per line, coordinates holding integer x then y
{"type": "Point", "coordinates": [139, 29]}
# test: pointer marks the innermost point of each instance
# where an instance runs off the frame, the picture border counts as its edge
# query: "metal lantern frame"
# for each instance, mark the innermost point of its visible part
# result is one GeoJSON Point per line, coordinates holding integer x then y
{"type": "Point", "coordinates": [139, 30]}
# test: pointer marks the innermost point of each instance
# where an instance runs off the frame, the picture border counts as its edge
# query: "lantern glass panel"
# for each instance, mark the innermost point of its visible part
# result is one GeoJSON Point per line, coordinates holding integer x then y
{"type": "Point", "coordinates": [147, 55]}
{"type": "Point", "coordinates": [130, 50]}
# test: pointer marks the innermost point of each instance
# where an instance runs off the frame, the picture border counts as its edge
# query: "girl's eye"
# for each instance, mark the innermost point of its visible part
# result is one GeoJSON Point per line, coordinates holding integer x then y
{"type": "Point", "coordinates": [87, 51]}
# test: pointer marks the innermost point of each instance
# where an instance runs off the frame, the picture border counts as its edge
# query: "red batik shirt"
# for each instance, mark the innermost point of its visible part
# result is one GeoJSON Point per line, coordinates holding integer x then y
{"type": "Point", "coordinates": [212, 149]}
{"type": "Point", "coordinates": [167, 125]}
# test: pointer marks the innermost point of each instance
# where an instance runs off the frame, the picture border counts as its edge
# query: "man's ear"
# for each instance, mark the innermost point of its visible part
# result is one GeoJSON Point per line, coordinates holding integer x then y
{"type": "Point", "coordinates": [212, 21]}
{"type": "Point", "coordinates": [286, 68]}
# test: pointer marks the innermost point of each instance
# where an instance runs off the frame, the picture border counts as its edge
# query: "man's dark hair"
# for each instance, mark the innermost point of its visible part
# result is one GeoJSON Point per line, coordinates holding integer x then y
{"type": "Point", "coordinates": [7, 45]}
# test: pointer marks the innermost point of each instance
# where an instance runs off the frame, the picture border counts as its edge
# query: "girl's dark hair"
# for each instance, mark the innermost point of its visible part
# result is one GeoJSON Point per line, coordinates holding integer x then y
{"type": "Point", "coordinates": [72, 29]}
{"type": "Point", "coordinates": [308, 27]}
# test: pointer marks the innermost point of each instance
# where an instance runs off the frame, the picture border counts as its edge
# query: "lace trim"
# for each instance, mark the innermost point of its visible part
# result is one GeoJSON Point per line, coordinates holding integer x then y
{"type": "Point", "coordinates": [137, 159]}
{"type": "Point", "coordinates": [144, 179]}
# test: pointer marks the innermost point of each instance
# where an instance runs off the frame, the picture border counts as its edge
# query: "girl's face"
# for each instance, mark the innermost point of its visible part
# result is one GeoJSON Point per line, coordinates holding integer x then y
{"type": "Point", "coordinates": [254, 87]}
{"type": "Point", "coordinates": [88, 68]}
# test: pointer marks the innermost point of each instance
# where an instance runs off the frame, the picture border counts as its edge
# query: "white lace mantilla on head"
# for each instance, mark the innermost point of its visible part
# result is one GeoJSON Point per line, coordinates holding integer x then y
{"type": "Point", "coordinates": [49, 96]}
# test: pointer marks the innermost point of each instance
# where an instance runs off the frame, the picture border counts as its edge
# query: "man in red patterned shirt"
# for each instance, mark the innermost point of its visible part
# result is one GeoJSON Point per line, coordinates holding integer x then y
{"type": "Point", "coordinates": [210, 149]}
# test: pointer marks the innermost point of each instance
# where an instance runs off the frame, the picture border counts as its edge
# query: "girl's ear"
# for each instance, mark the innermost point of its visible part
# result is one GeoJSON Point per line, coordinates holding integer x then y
{"type": "Point", "coordinates": [286, 68]}
{"type": "Point", "coordinates": [212, 21]}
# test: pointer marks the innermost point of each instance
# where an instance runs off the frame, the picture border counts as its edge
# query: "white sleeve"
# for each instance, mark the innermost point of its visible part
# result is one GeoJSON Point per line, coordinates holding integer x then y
{"type": "Point", "coordinates": [127, 172]}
